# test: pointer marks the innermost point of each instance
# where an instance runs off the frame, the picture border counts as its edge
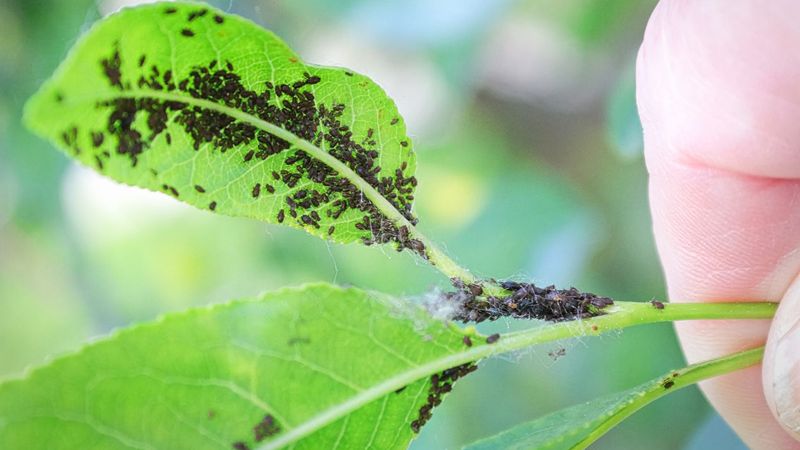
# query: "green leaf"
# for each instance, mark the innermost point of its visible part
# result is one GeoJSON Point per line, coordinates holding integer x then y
{"type": "Point", "coordinates": [579, 426]}
{"type": "Point", "coordinates": [211, 109]}
{"type": "Point", "coordinates": [316, 367]}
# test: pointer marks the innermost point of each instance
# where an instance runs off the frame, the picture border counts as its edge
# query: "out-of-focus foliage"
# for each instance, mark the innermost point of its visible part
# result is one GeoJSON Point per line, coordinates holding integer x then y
{"type": "Point", "coordinates": [508, 106]}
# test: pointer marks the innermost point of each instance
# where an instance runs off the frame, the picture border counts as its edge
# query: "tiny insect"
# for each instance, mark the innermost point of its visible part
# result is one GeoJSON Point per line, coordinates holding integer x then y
{"type": "Point", "coordinates": [657, 304]}
{"type": "Point", "coordinates": [555, 354]}
{"type": "Point", "coordinates": [467, 341]}
{"type": "Point", "coordinates": [475, 289]}
{"type": "Point", "coordinates": [493, 338]}
{"type": "Point", "coordinates": [187, 32]}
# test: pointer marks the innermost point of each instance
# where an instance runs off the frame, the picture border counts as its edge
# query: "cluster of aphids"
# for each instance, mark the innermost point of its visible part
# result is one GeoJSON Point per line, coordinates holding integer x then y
{"type": "Point", "coordinates": [525, 301]}
{"type": "Point", "coordinates": [291, 106]}
{"type": "Point", "coordinates": [441, 384]}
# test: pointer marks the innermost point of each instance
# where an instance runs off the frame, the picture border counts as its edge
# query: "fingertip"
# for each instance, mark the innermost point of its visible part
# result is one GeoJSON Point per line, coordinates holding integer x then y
{"type": "Point", "coordinates": [718, 83]}
{"type": "Point", "coordinates": [781, 373]}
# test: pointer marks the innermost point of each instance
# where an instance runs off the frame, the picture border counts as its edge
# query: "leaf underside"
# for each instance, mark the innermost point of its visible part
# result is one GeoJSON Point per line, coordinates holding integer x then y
{"type": "Point", "coordinates": [579, 426]}
{"type": "Point", "coordinates": [314, 367]}
{"type": "Point", "coordinates": [219, 113]}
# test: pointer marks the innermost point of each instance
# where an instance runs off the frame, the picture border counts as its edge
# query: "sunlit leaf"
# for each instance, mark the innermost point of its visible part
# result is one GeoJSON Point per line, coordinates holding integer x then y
{"type": "Point", "coordinates": [319, 367]}
{"type": "Point", "coordinates": [219, 113]}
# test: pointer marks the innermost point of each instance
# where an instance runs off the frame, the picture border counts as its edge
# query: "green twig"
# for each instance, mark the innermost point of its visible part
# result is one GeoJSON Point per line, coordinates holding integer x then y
{"type": "Point", "coordinates": [679, 379]}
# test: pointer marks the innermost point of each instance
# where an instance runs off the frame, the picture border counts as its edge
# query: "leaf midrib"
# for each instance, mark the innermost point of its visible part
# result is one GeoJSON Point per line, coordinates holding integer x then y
{"type": "Point", "coordinates": [342, 169]}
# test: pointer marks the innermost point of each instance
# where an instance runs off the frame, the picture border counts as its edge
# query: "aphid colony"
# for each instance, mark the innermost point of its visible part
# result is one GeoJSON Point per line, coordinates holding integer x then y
{"type": "Point", "coordinates": [441, 384]}
{"type": "Point", "coordinates": [291, 106]}
{"type": "Point", "coordinates": [526, 301]}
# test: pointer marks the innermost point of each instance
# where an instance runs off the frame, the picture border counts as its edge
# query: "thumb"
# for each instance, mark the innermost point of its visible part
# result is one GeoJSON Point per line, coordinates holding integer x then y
{"type": "Point", "coordinates": [782, 362]}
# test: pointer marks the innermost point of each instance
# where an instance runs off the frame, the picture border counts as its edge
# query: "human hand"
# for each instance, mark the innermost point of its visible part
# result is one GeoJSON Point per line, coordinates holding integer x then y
{"type": "Point", "coordinates": [718, 87]}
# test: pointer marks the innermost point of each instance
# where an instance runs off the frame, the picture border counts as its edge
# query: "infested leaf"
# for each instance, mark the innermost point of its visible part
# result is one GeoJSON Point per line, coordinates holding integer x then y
{"type": "Point", "coordinates": [219, 113]}
{"type": "Point", "coordinates": [315, 367]}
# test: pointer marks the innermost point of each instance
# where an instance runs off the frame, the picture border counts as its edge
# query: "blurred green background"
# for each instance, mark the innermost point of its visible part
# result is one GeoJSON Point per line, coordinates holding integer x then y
{"type": "Point", "coordinates": [524, 119]}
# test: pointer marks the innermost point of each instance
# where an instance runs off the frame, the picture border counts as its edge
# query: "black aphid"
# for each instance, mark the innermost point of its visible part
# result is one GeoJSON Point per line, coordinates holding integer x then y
{"type": "Point", "coordinates": [394, 121]}
{"type": "Point", "coordinates": [256, 190]}
{"type": "Point", "coordinates": [239, 445]}
{"type": "Point", "coordinates": [249, 155]}
{"type": "Point", "coordinates": [141, 60]}
{"type": "Point", "coordinates": [187, 32]}
{"type": "Point", "coordinates": [404, 143]}
{"type": "Point", "coordinates": [269, 188]}
{"type": "Point", "coordinates": [467, 341]}
{"type": "Point", "coordinates": [97, 138]}
{"type": "Point", "coordinates": [265, 428]}
{"type": "Point", "coordinates": [170, 11]}
{"type": "Point", "coordinates": [312, 80]}
{"type": "Point", "coordinates": [212, 206]}
{"type": "Point", "coordinates": [475, 289]}
{"type": "Point", "coordinates": [492, 338]}
{"type": "Point", "coordinates": [218, 18]}
{"type": "Point", "coordinates": [168, 138]}
{"type": "Point", "coordinates": [199, 188]}
{"type": "Point", "coordinates": [657, 304]}
{"type": "Point", "coordinates": [196, 14]}
{"type": "Point", "coordinates": [331, 229]}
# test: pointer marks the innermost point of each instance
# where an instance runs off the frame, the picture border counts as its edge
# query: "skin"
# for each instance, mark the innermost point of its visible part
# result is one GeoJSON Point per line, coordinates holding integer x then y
{"type": "Point", "coordinates": [718, 89]}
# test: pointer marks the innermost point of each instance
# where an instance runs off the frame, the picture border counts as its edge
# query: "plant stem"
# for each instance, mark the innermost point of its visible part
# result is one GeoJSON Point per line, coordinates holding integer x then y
{"type": "Point", "coordinates": [625, 314]}
{"type": "Point", "coordinates": [679, 378]}
{"type": "Point", "coordinates": [435, 256]}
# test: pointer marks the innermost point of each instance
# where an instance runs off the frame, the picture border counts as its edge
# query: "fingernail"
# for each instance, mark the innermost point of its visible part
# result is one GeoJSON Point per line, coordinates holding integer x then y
{"type": "Point", "coordinates": [789, 314]}
{"type": "Point", "coordinates": [786, 378]}
{"type": "Point", "coordinates": [786, 359]}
